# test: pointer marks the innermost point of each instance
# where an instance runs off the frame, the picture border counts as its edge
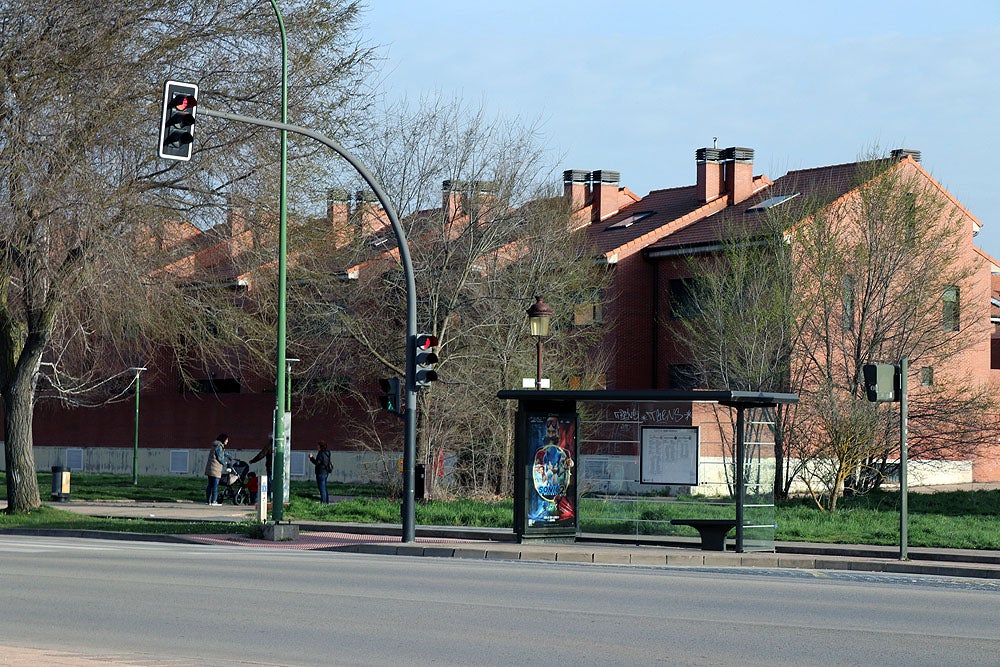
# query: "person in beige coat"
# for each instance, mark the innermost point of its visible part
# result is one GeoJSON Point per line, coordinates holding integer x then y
{"type": "Point", "coordinates": [214, 467]}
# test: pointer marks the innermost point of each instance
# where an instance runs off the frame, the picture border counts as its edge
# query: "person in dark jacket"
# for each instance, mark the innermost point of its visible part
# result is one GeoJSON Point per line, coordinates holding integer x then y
{"type": "Point", "coordinates": [323, 469]}
{"type": "Point", "coordinates": [214, 467]}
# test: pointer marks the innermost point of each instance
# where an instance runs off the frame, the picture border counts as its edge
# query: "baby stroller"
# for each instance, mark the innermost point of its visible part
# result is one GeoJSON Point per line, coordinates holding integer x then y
{"type": "Point", "coordinates": [233, 485]}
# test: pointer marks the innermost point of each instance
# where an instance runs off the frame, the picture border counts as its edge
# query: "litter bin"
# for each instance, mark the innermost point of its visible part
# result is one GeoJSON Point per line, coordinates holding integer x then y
{"type": "Point", "coordinates": [418, 481]}
{"type": "Point", "coordinates": [60, 483]}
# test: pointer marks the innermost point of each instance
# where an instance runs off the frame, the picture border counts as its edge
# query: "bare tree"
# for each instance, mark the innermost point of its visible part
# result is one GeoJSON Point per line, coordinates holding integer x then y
{"type": "Point", "coordinates": [746, 324]}
{"type": "Point", "coordinates": [885, 275]}
{"type": "Point", "coordinates": [84, 205]}
{"type": "Point", "coordinates": [486, 235]}
{"type": "Point", "coordinates": [802, 300]}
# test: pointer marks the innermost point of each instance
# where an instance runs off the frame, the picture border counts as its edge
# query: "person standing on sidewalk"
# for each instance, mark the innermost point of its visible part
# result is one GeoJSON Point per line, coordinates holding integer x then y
{"type": "Point", "coordinates": [214, 467]}
{"type": "Point", "coordinates": [323, 469]}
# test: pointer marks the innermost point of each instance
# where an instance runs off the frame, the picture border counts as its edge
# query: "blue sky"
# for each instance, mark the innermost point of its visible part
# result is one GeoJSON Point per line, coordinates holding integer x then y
{"type": "Point", "coordinates": [637, 85]}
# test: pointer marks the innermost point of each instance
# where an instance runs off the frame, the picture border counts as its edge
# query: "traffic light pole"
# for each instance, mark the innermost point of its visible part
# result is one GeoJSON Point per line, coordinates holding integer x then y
{"type": "Point", "coordinates": [279, 465]}
{"type": "Point", "coordinates": [904, 370]}
{"type": "Point", "coordinates": [408, 512]}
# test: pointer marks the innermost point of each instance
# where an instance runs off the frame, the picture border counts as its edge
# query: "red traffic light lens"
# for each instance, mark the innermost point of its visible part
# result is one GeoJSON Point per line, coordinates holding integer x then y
{"type": "Point", "coordinates": [184, 102]}
{"type": "Point", "coordinates": [426, 342]}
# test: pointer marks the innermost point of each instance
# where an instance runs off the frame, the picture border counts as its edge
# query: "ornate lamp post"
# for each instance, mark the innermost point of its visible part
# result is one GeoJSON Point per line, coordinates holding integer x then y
{"type": "Point", "coordinates": [539, 316]}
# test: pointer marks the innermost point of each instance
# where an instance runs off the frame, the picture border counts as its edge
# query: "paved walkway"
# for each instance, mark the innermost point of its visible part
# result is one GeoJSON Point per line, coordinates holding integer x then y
{"type": "Point", "coordinates": [481, 543]}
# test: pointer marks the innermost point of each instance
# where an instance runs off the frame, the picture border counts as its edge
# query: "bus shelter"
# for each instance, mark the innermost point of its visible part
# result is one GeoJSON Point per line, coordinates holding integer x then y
{"type": "Point", "coordinates": [555, 429]}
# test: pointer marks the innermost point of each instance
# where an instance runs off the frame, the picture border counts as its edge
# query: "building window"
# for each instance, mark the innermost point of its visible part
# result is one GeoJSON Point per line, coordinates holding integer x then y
{"type": "Point", "coordinates": [179, 461]}
{"type": "Point", "coordinates": [848, 314]}
{"type": "Point", "coordinates": [585, 314]}
{"type": "Point", "coordinates": [950, 309]}
{"type": "Point", "coordinates": [216, 386]}
{"type": "Point", "coordinates": [684, 377]}
{"type": "Point", "coordinates": [683, 303]}
{"type": "Point", "coordinates": [74, 459]}
{"type": "Point", "coordinates": [297, 464]}
{"type": "Point", "coordinates": [927, 376]}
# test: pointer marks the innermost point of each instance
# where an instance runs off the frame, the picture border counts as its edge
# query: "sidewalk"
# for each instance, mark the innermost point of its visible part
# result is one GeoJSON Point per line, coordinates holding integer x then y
{"type": "Point", "coordinates": [487, 543]}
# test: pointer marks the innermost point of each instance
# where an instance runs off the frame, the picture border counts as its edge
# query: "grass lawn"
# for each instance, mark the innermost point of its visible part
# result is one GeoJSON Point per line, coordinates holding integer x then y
{"type": "Point", "coordinates": [958, 519]}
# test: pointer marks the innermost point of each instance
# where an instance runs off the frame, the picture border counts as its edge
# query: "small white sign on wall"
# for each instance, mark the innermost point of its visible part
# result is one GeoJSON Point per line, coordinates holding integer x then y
{"type": "Point", "coordinates": [669, 455]}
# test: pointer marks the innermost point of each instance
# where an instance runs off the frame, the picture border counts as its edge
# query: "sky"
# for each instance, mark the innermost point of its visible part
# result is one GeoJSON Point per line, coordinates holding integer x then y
{"type": "Point", "coordinates": [635, 86]}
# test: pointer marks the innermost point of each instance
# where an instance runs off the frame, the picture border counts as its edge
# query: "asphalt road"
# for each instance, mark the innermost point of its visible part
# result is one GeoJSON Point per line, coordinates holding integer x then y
{"type": "Point", "coordinates": [175, 604]}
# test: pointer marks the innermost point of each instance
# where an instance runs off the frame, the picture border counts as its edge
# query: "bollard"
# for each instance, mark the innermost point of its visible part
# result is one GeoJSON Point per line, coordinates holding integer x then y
{"type": "Point", "coordinates": [262, 499]}
{"type": "Point", "coordinates": [60, 483]}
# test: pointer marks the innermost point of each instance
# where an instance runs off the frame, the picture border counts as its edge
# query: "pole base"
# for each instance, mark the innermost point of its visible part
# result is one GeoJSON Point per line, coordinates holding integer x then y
{"type": "Point", "coordinates": [281, 532]}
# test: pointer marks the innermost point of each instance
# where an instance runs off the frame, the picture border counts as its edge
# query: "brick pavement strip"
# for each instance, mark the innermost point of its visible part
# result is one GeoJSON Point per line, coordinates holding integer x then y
{"type": "Point", "coordinates": [19, 656]}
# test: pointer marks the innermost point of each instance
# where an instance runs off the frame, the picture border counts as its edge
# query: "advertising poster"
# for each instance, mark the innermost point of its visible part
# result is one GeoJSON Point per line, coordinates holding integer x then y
{"type": "Point", "coordinates": [552, 457]}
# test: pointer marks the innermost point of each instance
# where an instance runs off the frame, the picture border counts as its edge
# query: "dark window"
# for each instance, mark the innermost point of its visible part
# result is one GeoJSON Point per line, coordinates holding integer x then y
{"type": "Point", "coordinates": [683, 303]}
{"type": "Point", "coordinates": [950, 309]}
{"type": "Point", "coordinates": [585, 314]}
{"type": "Point", "coordinates": [848, 315]}
{"type": "Point", "coordinates": [216, 386]}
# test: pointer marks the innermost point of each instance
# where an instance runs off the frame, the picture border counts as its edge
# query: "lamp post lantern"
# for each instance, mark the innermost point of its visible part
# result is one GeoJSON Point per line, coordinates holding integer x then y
{"type": "Point", "coordinates": [539, 316]}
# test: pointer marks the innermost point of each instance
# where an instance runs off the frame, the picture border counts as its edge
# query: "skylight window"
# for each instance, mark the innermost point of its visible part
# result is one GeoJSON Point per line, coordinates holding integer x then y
{"type": "Point", "coordinates": [630, 220]}
{"type": "Point", "coordinates": [771, 203]}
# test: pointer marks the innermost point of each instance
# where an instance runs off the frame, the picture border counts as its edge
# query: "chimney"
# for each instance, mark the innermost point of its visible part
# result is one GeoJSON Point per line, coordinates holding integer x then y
{"type": "Point", "coordinates": [453, 198]}
{"type": "Point", "coordinates": [902, 153]}
{"type": "Point", "coordinates": [368, 215]}
{"type": "Point", "coordinates": [604, 185]}
{"type": "Point", "coordinates": [709, 164]}
{"type": "Point", "coordinates": [338, 212]}
{"type": "Point", "coordinates": [576, 188]}
{"type": "Point", "coordinates": [738, 166]}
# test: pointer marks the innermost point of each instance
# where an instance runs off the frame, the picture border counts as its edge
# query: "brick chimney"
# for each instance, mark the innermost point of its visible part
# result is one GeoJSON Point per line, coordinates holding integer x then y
{"type": "Point", "coordinates": [604, 186]}
{"type": "Point", "coordinates": [710, 180]}
{"type": "Point", "coordinates": [453, 198]}
{"type": "Point", "coordinates": [338, 213]}
{"type": "Point", "coordinates": [738, 166]}
{"type": "Point", "coordinates": [576, 188]}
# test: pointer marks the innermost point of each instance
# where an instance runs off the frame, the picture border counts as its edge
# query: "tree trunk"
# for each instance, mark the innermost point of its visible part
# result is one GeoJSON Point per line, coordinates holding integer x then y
{"type": "Point", "coordinates": [22, 481]}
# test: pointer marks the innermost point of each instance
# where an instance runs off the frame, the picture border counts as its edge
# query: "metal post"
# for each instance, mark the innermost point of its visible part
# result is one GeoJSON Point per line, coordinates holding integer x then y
{"type": "Point", "coordinates": [904, 368]}
{"type": "Point", "coordinates": [280, 453]}
{"type": "Point", "coordinates": [740, 475]}
{"type": "Point", "coordinates": [538, 371]}
{"type": "Point", "coordinates": [135, 442]}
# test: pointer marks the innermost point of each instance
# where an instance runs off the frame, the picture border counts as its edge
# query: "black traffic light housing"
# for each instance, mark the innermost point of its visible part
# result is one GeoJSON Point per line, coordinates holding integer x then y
{"type": "Point", "coordinates": [882, 383]}
{"type": "Point", "coordinates": [180, 102]}
{"type": "Point", "coordinates": [392, 395]}
{"type": "Point", "coordinates": [424, 360]}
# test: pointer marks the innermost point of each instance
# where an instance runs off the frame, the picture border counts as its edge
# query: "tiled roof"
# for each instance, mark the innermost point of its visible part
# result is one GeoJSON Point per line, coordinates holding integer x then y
{"type": "Point", "coordinates": [665, 205]}
{"type": "Point", "coordinates": [820, 184]}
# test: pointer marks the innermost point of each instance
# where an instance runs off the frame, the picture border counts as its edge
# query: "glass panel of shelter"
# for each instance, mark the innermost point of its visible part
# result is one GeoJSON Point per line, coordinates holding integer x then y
{"type": "Point", "coordinates": [614, 500]}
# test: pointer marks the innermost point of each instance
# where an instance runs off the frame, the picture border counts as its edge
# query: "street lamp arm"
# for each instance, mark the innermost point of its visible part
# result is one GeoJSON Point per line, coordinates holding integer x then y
{"type": "Point", "coordinates": [410, 447]}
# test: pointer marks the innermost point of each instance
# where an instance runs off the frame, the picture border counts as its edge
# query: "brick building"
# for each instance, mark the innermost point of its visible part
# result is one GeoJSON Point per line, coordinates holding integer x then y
{"type": "Point", "coordinates": [643, 241]}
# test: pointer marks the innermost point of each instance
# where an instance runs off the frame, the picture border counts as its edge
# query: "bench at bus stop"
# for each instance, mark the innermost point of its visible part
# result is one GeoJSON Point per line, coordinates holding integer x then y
{"type": "Point", "coordinates": [713, 531]}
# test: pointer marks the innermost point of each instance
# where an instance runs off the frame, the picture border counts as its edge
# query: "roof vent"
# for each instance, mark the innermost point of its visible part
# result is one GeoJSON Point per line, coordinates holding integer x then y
{"type": "Point", "coordinates": [707, 155]}
{"type": "Point", "coordinates": [605, 176]}
{"type": "Point", "coordinates": [902, 153]}
{"type": "Point", "coordinates": [575, 176]}
{"type": "Point", "coordinates": [738, 154]}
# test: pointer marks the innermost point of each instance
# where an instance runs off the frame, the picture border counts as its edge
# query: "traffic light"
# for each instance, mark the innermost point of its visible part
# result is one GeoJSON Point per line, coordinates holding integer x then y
{"type": "Point", "coordinates": [881, 383]}
{"type": "Point", "coordinates": [424, 359]}
{"type": "Point", "coordinates": [392, 395]}
{"type": "Point", "coordinates": [180, 100]}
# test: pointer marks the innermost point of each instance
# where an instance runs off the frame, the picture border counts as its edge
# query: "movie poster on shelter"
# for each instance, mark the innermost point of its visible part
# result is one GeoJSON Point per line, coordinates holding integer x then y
{"type": "Point", "coordinates": [552, 455]}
